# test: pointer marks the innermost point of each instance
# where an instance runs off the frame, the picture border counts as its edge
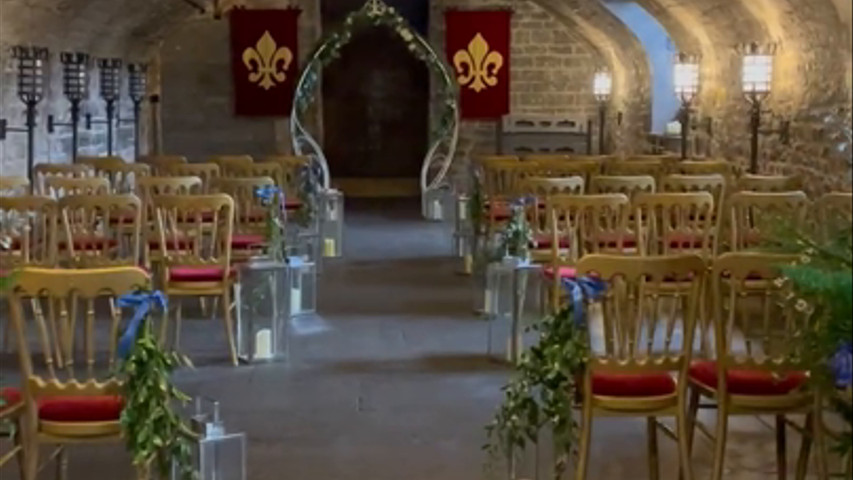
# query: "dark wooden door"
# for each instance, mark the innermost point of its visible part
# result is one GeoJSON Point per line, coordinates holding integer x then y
{"type": "Point", "coordinates": [375, 104]}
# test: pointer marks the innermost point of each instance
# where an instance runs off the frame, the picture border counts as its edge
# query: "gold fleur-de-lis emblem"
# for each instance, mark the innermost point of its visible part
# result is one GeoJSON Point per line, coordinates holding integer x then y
{"type": "Point", "coordinates": [267, 63]}
{"type": "Point", "coordinates": [478, 66]}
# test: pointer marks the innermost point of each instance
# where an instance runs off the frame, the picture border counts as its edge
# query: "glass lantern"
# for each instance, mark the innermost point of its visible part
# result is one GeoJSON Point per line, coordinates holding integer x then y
{"type": "Point", "coordinates": [513, 301]}
{"type": "Point", "coordinates": [263, 311]}
{"type": "Point", "coordinates": [463, 235]}
{"type": "Point", "coordinates": [302, 285]}
{"type": "Point", "coordinates": [332, 222]}
{"type": "Point", "coordinates": [437, 203]}
{"type": "Point", "coordinates": [217, 454]}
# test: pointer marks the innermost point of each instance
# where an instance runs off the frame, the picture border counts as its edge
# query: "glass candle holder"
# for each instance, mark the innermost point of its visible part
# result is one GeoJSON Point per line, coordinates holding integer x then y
{"type": "Point", "coordinates": [264, 311]}
{"type": "Point", "coordinates": [332, 222]}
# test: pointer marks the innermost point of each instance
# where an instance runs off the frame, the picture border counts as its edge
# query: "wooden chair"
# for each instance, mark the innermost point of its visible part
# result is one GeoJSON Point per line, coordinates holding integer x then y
{"type": "Point", "coordinates": [584, 168]}
{"type": "Point", "coordinates": [262, 169]}
{"type": "Point", "coordinates": [501, 186]}
{"type": "Point", "coordinates": [228, 162]}
{"type": "Point", "coordinates": [652, 168]}
{"type": "Point", "coordinates": [675, 223]}
{"type": "Point", "coordinates": [581, 225]}
{"type": "Point", "coordinates": [30, 223]}
{"type": "Point", "coordinates": [11, 413]}
{"type": "Point", "coordinates": [59, 187]}
{"type": "Point", "coordinates": [72, 397]}
{"type": "Point", "coordinates": [715, 184]}
{"type": "Point", "coordinates": [43, 171]}
{"type": "Point", "coordinates": [707, 167]}
{"type": "Point", "coordinates": [207, 172]}
{"type": "Point", "coordinates": [159, 163]}
{"type": "Point", "coordinates": [250, 216]}
{"type": "Point", "coordinates": [630, 185]}
{"type": "Point", "coordinates": [151, 187]}
{"type": "Point", "coordinates": [12, 186]}
{"type": "Point", "coordinates": [753, 211]}
{"type": "Point", "coordinates": [767, 183]}
{"type": "Point", "coordinates": [539, 190]}
{"type": "Point", "coordinates": [123, 177]}
{"type": "Point", "coordinates": [100, 163]}
{"type": "Point", "coordinates": [754, 372]}
{"type": "Point", "coordinates": [196, 259]}
{"type": "Point", "coordinates": [546, 158]}
{"type": "Point", "coordinates": [641, 369]}
{"type": "Point", "coordinates": [100, 230]}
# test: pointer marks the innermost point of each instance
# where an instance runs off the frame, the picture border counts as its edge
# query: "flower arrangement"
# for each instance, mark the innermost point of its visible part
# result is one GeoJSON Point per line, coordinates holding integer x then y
{"type": "Point", "coordinates": [543, 391]}
{"type": "Point", "coordinates": [154, 433]}
{"type": "Point", "coordinates": [516, 236]}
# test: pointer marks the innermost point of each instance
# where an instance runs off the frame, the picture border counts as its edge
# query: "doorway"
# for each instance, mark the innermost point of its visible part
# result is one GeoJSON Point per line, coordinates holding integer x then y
{"type": "Point", "coordinates": [375, 111]}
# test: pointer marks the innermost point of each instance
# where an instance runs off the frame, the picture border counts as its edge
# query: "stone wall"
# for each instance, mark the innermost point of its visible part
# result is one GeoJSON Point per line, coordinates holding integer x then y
{"type": "Point", "coordinates": [551, 68]}
{"type": "Point", "coordinates": [197, 116]}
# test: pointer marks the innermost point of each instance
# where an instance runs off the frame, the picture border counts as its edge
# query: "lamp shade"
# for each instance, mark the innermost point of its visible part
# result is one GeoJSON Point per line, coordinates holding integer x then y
{"type": "Point", "coordinates": [757, 72]}
{"type": "Point", "coordinates": [602, 85]}
{"type": "Point", "coordinates": [686, 70]}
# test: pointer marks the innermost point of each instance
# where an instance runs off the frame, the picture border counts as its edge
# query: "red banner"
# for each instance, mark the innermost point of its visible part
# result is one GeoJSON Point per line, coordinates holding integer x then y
{"type": "Point", "coordinates": [264, 60]}
{"type": "Point", "coordinates": [478, 44]}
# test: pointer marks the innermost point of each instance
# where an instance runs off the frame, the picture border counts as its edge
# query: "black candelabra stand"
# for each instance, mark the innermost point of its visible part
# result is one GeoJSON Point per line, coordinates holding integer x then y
{"type": "Point", "coordinates": [31, 74]}
{"type": "Point", "coordinates": [110, 88]}
{"type": "Point", "coordinates": [75, 86]}
{"type": "Point", "coordinates": [137, 88]}
{"type": "Point", "coordinates": [602, 124]}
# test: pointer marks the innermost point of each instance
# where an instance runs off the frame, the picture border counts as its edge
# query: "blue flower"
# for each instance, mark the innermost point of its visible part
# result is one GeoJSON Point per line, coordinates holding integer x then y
{"type": "Point", "coordinates": [267, 193]}
{"type": "Point", "coordinates": [841, 365]}
{"type": "Point", "coordinates": [580, 288]}
{"type": "Point", "coordinates": [142, 302]}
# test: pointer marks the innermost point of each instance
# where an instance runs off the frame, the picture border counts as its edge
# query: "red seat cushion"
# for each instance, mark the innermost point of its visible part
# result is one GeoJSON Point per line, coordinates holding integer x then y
{"type": "Point", "coordinates": [89, 242]}
{"type": "Point", "coordinates": [685, 240]}
{"type": "Point", "coordinates": [499, 211]}
{"type": "Point", "coordinates": [564, 272]}
{"type": "Point", "coordinates": [247, 241]}
{"type": "Point", "coordinates": [294, 204]}
{"type": "Point", "coordinates": [546, 241]}
{"type": "Point", "coordinates": [11, 396]}
{"type": "Point", "coordinates": [748, 382]}
{"type": "Point", "coordinates": [103, 408]}
{"type": "Point", "coordinates": [125, 218]}
{"type": "Point", "coordinates": [632, 385]}
{"type": "Point", "coordinates": [172, 243]}
{"type": "Point", "coordinates": [198, 274]}
{"type": "Point", "coordinates": [611, 239]}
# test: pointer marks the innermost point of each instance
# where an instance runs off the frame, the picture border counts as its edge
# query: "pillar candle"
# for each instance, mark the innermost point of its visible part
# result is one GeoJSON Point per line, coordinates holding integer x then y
{"type": "Point", "coordinates": [329, 247]}
{"type": "Point", "coordinates": [263, 344]}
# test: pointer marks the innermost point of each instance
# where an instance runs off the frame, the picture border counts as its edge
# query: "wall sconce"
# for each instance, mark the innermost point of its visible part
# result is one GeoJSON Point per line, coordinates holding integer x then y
{"type": "Point", "coordinates": [75, 86]}
{"type": "Point", "coordinates": [602, 89]}
{"type": "Point", "coordinates": [137, 80]}
{"type": "Point", "coordinates": [686, 88]}
{"type": "Point", "coordinates": [110, 88]}
{"type": "Point", "coordinates": [757, 78]}
{"type": "Point", "coordinates": [31, 75]}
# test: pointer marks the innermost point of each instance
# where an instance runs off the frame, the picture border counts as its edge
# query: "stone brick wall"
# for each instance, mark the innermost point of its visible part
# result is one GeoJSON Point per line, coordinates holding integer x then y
{"type": "Point", "coordinates": [551, 68]}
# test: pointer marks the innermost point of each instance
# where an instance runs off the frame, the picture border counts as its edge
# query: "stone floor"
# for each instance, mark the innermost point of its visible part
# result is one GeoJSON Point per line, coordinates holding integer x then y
{"type": "Point", "coordinates": [392, 381]}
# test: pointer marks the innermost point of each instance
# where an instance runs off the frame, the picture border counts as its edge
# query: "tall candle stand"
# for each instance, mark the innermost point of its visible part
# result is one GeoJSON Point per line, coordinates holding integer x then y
{"type": "Point", "coordinates": [31, 75]}
{"type": "Point", "coordinates": [75, 86]}
{"type": "Point", "coordinates": [110, 87]}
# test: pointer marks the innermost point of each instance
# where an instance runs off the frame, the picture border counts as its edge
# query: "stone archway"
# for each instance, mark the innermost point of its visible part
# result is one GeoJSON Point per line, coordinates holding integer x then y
{"type": "Point", "coordinates": [443, 138]}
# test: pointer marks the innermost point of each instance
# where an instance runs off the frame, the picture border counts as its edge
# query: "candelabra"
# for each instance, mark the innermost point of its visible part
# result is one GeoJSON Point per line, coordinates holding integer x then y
{"type": "Point", "coordinates": [110, 87]}
{"type": "Point", "coordinates": [757, 86]}
{"type": "Point", "coordinates": [137, 88]}
{"type": "Point", "coordinates": [31, 62]}
{"type": "Point", "coordinates": [686, 88]}
{"type": "Point", "coordinates": [75, 86]}
{"type": "Point", "coordinates": [602, 89]}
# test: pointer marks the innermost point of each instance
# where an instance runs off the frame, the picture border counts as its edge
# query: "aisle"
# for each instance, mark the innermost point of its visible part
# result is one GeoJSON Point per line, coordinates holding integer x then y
{"type": "Point", "coordinates": [391, 383]}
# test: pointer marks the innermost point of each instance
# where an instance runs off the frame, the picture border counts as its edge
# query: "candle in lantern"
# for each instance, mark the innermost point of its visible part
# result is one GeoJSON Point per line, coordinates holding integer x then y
{"type": "Point", "coordinates": [329, 247]}
{"type": "Point", "coordinates": [468, 264]}
{"type": "Point", "coordinates": [295, 299]}
{"type": "Point", "coordinates": [263, 344]}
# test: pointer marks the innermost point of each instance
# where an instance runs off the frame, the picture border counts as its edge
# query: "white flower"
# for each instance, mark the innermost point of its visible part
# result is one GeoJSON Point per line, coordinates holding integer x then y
{"type": "Point", "coordinates": [801, 305]}
{"type": "Point", "coordinates": [779, 282]}
{"type": "Point", "coordinates": [406, 35]}
{"type": "Point", "coordinates": [805, 259]}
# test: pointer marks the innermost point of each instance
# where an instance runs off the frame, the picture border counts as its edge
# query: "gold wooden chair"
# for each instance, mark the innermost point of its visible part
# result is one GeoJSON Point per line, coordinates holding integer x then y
{"type": "Point", "coordinates": [159, 163]}
{"type": "Point", "coordinates": [675, 223]}
{"type": "Point", "coordinates": [228, 162]}
{"type": "Point", "coordinates": [72, 397]}
{"type": "Point", "coordinates": [585, 168]}
{"type": "Point", "coordinates": [581, 225]}
{"type": "Point", "coordinates": [707, 167]}
{"type": "Point", "coordinates": [250, 216]}
{"type": "Point", "coordinates": [550, 158]}
{"type": "Point", "coordinates": [715, 184]}
{"type": "Point", "coordinates": [767, 183]}
{"type": "Point", "coordinates": [30, 224]}
{"type": "Point", "coordinates": [150, 187]}
{"type": "Point", "coordinates": [12, 186]}
{"type": "Point", "coordinates": [11, 413]}
{"type": "Point", "coordinates": [59, 187]}
{"type": "Point", "coordinates": [753, 211]}
{"type": "Point", "coordinates": [100, 163]}
{"type": "Point", "coordinates": [207, 172]}
{"type": "Point", "coordinates": [539, 190]}
{"type": "Point", "coordinates": [43, 171]}
{"type": "Point", "coordinates": [123, 177]}
{"type": "Point", "coordinates": [754, 372]}
{"type": "Point", "coordinates": [100, 230]}
{"type": "Point", "coordinates": [196, 258]}
{"type": "Point", "coordinates": [502, 182]}
{"type": "Point", "coordinates": [630, 185]}
{"type": "Point", "coordinates": [641, 368]}
{"type": "Point", "coordinates": [653, 168]}
{"type": "Point", "coordinates": [261, 169]}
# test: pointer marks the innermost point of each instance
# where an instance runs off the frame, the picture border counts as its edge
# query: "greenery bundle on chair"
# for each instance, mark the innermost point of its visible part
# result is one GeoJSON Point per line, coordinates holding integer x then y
{"type": "Point", "coordinates": [154, 432]}
{"type": "Point", "coordinates": [545, 386]}
{"type": "Point", "coordinates": [822, 285]}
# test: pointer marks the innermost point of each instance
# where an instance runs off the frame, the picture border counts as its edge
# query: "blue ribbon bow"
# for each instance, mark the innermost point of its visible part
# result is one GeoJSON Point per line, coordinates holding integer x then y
{"type": "Point", "coordinates": [580, 288]}
{"type": "Point", "coordinates": [267, 192]}
{"type": "Point", "coordinates": [142, 302]}
{"type": "Point", "coordinates": [841, 365]}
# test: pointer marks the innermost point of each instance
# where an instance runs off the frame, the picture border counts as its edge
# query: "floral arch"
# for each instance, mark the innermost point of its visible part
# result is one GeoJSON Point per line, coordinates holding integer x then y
{"type": "Point", "coordinates": [445, 131]}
